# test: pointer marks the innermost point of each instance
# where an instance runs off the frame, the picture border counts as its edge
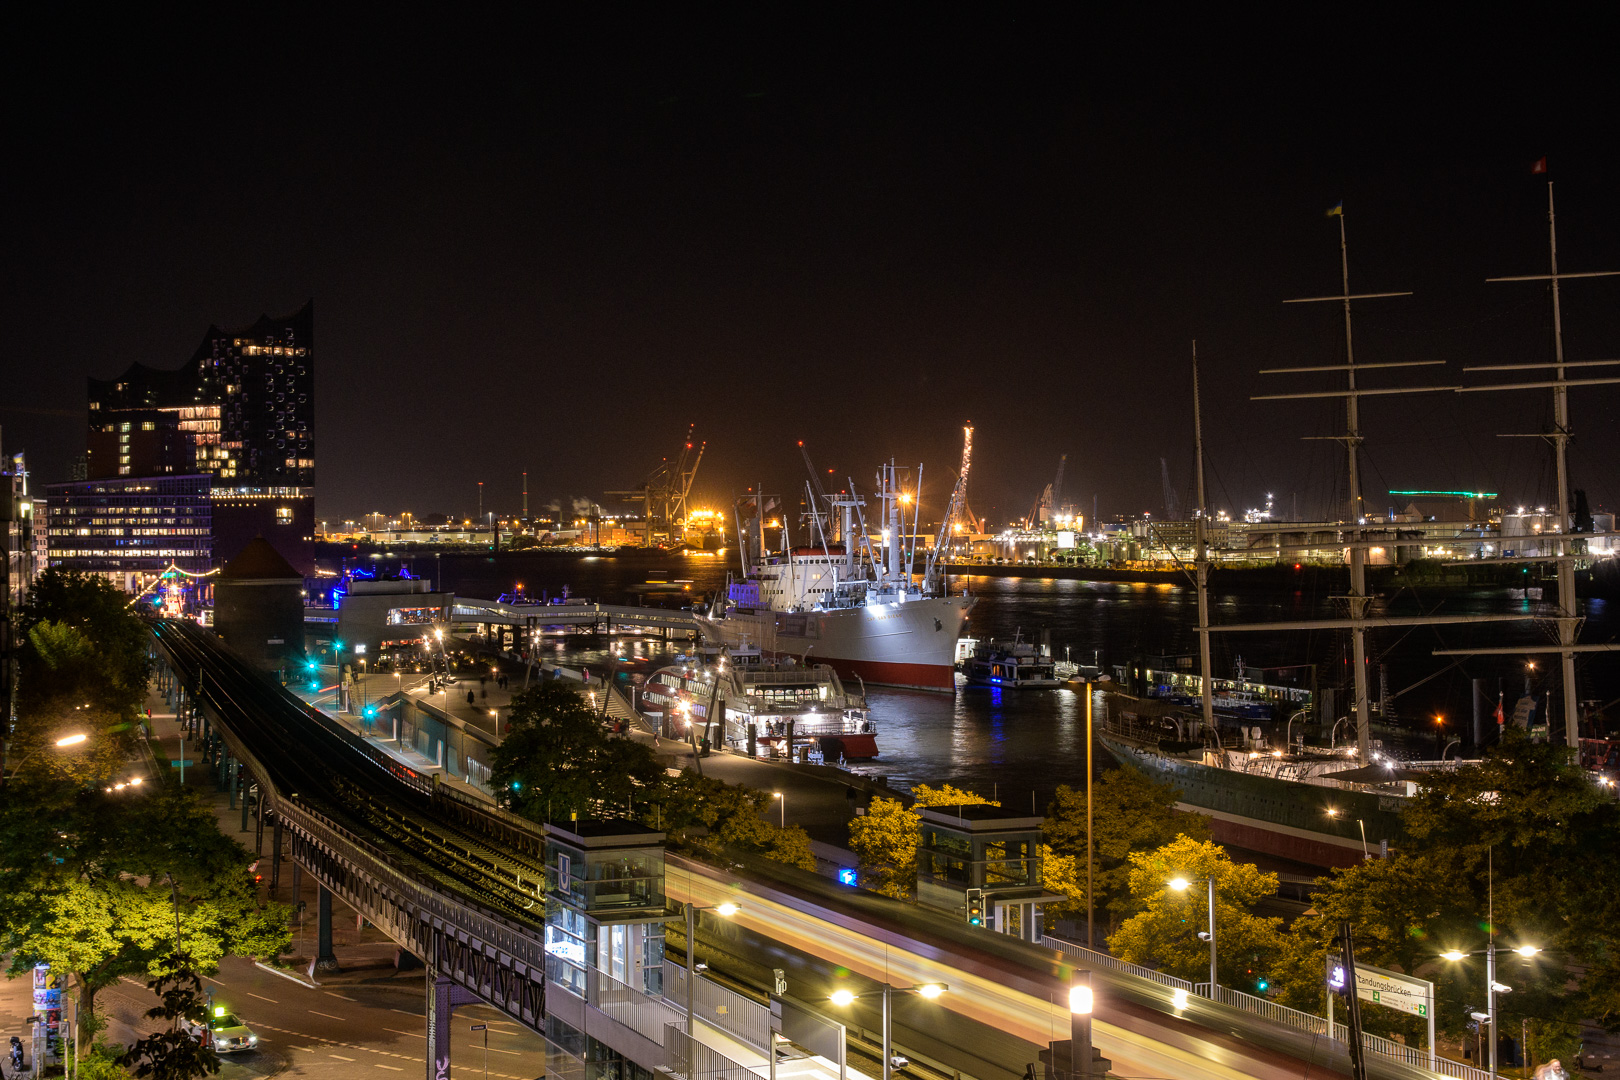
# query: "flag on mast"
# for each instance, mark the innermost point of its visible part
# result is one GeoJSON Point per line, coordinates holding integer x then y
{"type": "Point", "coordinates": [1337, 209]}
{"type": "Point", "coordinates": [1539, 167]}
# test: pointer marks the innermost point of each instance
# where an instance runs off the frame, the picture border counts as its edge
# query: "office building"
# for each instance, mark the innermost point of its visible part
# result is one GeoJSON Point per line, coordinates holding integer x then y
{"type": "Point", "coordinates": [189, 465]}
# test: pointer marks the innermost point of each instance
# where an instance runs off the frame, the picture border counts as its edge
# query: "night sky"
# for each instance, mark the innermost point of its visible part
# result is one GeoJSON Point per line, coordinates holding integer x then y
{"type": "Point", "coordinates": [552, 246]}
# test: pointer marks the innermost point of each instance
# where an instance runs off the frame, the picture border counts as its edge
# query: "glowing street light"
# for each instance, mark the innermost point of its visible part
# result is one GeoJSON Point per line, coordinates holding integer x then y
{"type": "Point", "coordinates": [1492, 987]}
{"type": "Point", "coordinates": [67, 740]}
{"type": "Point", "coordinates": [930, 990]}
{"type": "Point", "coordinates": [1181, 884]}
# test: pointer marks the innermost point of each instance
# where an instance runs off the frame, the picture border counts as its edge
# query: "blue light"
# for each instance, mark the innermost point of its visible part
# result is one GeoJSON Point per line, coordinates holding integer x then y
{"type": "Point", "coordinates": [846, 876]}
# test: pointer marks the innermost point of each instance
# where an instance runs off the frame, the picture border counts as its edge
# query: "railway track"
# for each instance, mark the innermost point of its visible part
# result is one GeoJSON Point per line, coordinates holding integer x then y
{"type": "Point", "coordinates": [337, 774]}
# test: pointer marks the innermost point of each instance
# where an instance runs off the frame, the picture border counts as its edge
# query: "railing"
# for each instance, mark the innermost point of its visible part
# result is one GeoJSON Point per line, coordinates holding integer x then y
{"type": "Point", "coordinates": [1114, 963]}
{"type": "Point", "coordinates": [691, 1060]}
{"type": "Point", "coordinates": [642, 1013]}
{"type": "Point", "coordinates": [742, 1018]}
{"type": "Point", "coordinates": [1271, 1010]}
{"type": "Point", "coordinates": [1316, 1025]}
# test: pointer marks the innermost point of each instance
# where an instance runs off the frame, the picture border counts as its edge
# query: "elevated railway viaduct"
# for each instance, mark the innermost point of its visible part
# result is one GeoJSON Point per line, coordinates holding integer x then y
{"type": "Point", "coordinates": [465, 887]}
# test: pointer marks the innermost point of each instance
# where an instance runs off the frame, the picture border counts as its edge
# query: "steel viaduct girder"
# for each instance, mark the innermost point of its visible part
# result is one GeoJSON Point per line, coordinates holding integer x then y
{"type": "Point", "coordinates": [471, 955]}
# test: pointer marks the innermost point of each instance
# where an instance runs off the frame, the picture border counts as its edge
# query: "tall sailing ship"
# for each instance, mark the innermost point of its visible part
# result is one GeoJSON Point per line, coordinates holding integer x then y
{"type": "Point", "coordinates": [1316, 806]}
{"type": "Point", "coordinates": [846, 599]}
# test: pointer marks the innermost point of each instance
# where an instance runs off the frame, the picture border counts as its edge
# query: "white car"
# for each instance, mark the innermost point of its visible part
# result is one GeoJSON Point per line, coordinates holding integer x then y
{"type": "Point", "coordinates": [228, 1034]}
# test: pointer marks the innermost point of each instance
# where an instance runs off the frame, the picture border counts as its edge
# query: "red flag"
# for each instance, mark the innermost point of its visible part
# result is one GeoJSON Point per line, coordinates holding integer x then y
{"type": "Point", "coordinates": [1539, 167]}
{"type": "Point", "coordinates": [1499, 720]}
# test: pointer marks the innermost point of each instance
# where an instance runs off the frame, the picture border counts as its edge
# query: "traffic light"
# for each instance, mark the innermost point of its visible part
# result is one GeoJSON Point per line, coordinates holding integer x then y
{"type": "Point", "coordinates": [975, 907]}
{"type": "Point", "coordinates": [1262, 984]}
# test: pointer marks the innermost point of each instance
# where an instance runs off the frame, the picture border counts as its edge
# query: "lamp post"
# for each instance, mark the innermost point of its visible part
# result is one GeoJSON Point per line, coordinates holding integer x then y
{"type": "Point", "coordinates": [929, 990]}
{"type": "Point", "coordinates": [1366, 856]}
{"type": "Point", "coordinates": [1492, 987]}
{"type": "Point", "coordinates": [67, 740]}
{"type": "Point", "coordinates": [781, 801]}
{"type": "Point", "coordinates": [726, 910]}
{"type": "Point", "coordinates": [1181, 884]}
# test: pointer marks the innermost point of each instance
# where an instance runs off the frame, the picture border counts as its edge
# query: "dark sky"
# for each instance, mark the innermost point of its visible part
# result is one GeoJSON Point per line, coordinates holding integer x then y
{"type": "Point", "coordinates": [553, 245]}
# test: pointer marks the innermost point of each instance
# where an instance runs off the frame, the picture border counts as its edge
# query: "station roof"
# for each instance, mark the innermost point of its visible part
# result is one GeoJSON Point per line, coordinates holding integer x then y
{"type": "Point", "coordinates": [608, 833]}
{"type": "Point", "coordinates": [259, 561]}
{"type": "Point", "coordinates": [980, 817]}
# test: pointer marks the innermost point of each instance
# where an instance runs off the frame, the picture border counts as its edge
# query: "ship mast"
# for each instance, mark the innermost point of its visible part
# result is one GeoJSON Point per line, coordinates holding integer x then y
{"type": "Point", "coordinates": [1568, 611]}
{"type": "Point", "coordinates": [1200, 533]}
{"type": "Point", "coordinates": [1357, 549]}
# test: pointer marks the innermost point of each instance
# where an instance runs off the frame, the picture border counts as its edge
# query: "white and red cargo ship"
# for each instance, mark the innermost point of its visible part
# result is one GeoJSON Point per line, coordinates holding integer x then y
{"type": "Point", "coordinates": [849, 600]}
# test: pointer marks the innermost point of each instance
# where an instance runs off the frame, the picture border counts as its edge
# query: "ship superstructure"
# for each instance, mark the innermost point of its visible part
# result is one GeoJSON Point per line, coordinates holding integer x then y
{"type": "Point", "coordinates": [848, 599]}
{"type": "Point", "coordinates": [762, 707]}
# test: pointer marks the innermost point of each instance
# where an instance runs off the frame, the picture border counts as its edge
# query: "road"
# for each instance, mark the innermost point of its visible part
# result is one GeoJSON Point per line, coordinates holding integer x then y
{"type": "Point", "coordinates": [340, 1030]}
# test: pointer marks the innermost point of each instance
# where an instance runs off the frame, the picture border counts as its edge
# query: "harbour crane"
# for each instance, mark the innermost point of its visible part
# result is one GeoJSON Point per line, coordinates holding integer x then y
{"type": "Point", "coordinates": [663, 494]}
{"type": "Point", "coordinates": [1047, 503]}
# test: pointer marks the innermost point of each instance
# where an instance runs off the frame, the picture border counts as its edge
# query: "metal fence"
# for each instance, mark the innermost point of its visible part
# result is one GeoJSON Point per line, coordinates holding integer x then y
{"type": "Point", "coordinates": [647, 1016]}
{"type": "Point", "coordinates": [1317, 1025]}
{"type": "Point", "coordinates": [691, 1060]}
{"type": "Point", "coordinates": [744, 1019]}
{"type": "Point", "coordinates": [1271, 1010]}
{"type": "Point", "coordinates": [1114, 963]}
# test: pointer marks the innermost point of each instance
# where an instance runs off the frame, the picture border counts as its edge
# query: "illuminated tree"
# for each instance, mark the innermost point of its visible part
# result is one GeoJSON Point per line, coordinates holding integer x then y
{"type": "Point", "coordinates": [885, 838]}
{"type": "Point", "coordinates": [85, 887]}
{"type": "Point", "coordinates": [1164, 931]}
{"type": "Point", "coordinates": [731, 816]}
{"type": "Point", "coordinates": [1130, 813]}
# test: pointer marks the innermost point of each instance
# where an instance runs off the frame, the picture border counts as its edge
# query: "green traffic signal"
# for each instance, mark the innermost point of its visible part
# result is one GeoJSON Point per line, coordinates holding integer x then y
{"type": "Point", "coordinates": [1262, 984]}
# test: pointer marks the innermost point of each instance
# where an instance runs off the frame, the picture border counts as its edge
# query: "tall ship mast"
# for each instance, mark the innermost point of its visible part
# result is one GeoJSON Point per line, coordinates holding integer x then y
{"type": "Point", "coordinates": [1565, 557]}
{"type": "Point", "coordinates": [846, 598]}
{"type": "Point", "coordinates": [1311, 805]}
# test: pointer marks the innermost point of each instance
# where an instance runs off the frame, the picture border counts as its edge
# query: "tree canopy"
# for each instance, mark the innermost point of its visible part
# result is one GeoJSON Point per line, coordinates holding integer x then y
{"type": "Point", "coordinates": [885, 838]}
{"type": "Point", "coordinates": [731, 816]}
{"type": "Point", "coordinates": [558, 761]}
{"type": "Point", "coordinates": [1130, 813]}
{"type": "Point", "coordinates": [1164, 931]}
{"type": "Point", "coordinates": [85, 885]}
{"type": "Point", "coordinates": [1524, 833]}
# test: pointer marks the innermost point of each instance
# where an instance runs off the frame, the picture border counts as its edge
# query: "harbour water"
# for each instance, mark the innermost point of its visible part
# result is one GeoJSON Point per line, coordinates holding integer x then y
{"type": "Point", "coordinates": [1013, 743]}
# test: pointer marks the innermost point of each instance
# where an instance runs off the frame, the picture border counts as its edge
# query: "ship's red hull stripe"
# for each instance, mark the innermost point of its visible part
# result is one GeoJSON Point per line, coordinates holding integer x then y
{"type": "Point", "coordinates": [1284, 845]}
{"type": "Point", "coordinates": [884, 673]}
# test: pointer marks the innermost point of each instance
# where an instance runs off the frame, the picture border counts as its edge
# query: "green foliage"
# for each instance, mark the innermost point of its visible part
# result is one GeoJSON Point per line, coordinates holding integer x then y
{"type": "Point", "coordinates": [175, 1053]}
{"type": "Point", "coordinates": [731, 817]}
{"type": "Point", "coordinates": [1524, 829]}
{"type": "Point", "coordinates": [885, 838]}
{"type": "Point", "coordinates": [1130, 813]}
{"type": "Point", "coordinates": [100, 1061]}
{"type": "Point", "coordinates": [1164, 930]}
{"type": "Point", "coordinates": [84, 886]}
{"type": "Point", "coordinates": [103, 656]}
{"type": "Point", "coordinates": [558, 760]}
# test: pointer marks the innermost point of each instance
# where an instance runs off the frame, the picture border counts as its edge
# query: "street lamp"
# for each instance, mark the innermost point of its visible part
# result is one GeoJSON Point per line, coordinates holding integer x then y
{"type": "Point", "coordinates": [1181, 884]}
{"type": "Point", "coordinates": [929, 990]}
{"type": "Point", "coordinates": [725, 910]}
{"type": "Point", "coordinates": [1492, 987]}
{"type": "Point", "coordinates": [1333, 812]}
{"type": "Point", "coordinates": [782, 803]}
{"type": "Point", "coordinates": [67, 740]}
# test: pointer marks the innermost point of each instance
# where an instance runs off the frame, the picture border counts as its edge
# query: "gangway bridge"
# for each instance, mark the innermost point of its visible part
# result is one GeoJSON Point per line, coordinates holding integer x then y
{"type": "Point", "coordinates": [467, 888]}
{"type": "Point", "coordinates": [466, 610]}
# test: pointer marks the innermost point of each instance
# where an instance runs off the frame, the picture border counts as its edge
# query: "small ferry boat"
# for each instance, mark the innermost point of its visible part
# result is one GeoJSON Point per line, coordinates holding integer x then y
{"type": "Point", "coordinates": [762, 707]}
{"type": "Point", "coordinates": [1015, 665]}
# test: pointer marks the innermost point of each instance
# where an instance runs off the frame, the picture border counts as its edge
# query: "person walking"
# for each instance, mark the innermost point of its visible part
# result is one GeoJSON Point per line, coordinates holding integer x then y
{"type": "Point", "coordinates": [1553, 1070]}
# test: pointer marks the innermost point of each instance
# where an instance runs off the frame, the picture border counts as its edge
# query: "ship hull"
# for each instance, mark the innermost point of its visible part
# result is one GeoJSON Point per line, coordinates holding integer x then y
{"type": "Point", "coordinates": [1284, 818]}
{"type": "Point", "coordinates": [911, 645]}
